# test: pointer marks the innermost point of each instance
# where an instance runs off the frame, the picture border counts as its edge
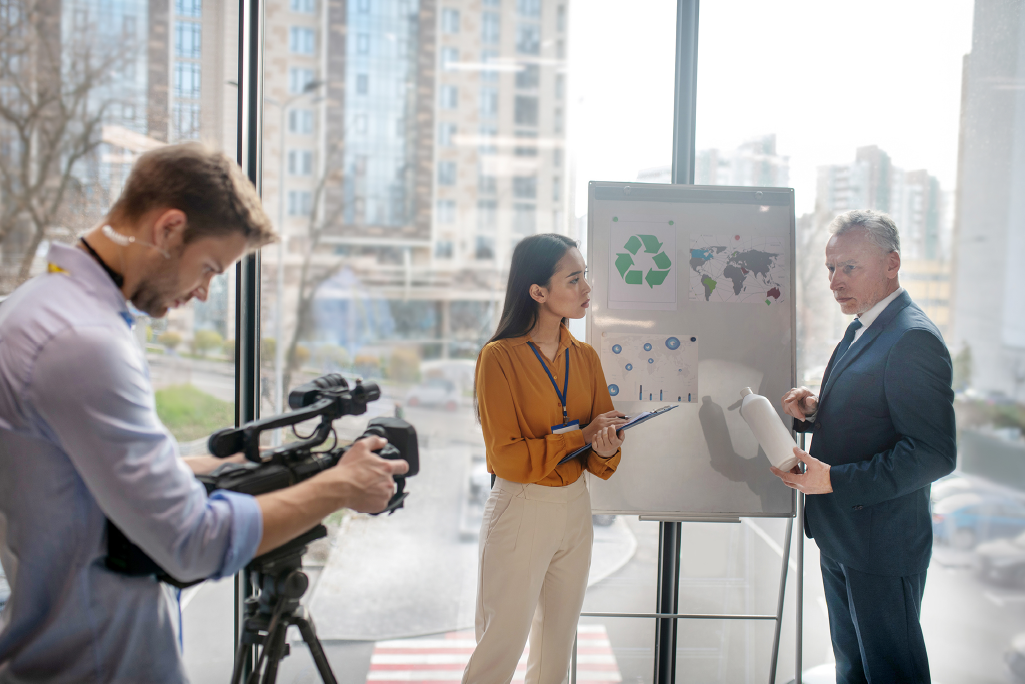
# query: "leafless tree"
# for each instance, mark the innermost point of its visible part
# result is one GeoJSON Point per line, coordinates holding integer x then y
{"type": "Point", "coordinates": [314, 272]}
{"type": "Point", "coordinates": [51, 117]}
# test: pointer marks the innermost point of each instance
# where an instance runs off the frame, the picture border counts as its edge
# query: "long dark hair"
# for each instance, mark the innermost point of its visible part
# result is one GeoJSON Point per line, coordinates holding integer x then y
{"type": "Point", "coordinates": [533, 263]}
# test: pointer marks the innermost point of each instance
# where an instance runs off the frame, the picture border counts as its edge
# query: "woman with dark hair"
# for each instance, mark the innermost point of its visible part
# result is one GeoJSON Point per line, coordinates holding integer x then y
{"type": "Point", "coordinates": [540, 395]}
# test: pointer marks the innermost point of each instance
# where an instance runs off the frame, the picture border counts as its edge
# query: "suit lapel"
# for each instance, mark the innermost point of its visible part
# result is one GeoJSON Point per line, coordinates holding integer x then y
{"type": "Point", "coordinates": [866, 339]}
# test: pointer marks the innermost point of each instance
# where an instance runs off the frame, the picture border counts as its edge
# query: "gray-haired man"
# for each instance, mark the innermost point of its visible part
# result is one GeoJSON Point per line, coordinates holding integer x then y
{"type": "Point", "coordinates": [884, 430]}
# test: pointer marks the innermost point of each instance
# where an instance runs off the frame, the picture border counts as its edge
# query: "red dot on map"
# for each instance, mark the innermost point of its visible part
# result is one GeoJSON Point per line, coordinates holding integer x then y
{"type": "Point", "coordinates": [736, 237]}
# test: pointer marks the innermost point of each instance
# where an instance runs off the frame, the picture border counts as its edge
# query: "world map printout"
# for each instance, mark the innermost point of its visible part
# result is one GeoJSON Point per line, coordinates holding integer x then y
{"type": "Point", "coordinates": [738, 269]}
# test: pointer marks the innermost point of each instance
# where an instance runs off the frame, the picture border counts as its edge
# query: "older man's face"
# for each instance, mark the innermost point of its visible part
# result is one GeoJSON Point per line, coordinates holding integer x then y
{"type": "Point", "coordinates": [860, 273]}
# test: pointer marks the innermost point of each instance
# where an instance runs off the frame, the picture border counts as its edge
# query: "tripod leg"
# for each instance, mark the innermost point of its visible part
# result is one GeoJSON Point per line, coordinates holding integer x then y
{"type": "Point", "coordinates": [274, 651]}
{"type": "Point", "coordinates": [316, 649]}
{"type": "Point", "coordinates": [240, 662]}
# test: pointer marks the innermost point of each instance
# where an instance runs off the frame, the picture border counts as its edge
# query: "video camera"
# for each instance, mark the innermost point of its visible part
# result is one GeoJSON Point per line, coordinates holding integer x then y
{"type": "Point", "coordinates": [328, 397]}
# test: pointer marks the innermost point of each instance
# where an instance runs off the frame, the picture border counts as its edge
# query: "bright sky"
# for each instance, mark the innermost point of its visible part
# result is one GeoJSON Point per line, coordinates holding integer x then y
{"type": "Point", "coordinates": [825, 76]}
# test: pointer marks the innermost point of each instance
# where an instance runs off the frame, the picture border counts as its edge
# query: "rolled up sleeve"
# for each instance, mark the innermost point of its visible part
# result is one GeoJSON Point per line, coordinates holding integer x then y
{"type": "Point", "coordinates": [246, 530]}
{"type": "Point", "coordinates": [92, 393]}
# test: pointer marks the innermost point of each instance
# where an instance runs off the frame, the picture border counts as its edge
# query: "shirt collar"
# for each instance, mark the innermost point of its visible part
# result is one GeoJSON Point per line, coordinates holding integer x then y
{"type": "Point", "coordinates": [566, 339]}
{"type": "Point", "coordinates": [869, 317]}
{"type": "Point", "coordinates": [74, 263]}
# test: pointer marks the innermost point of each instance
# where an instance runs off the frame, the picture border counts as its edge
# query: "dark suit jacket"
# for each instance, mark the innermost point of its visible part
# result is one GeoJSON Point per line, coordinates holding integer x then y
{"type": "Point", "coordinates": [885, 425]}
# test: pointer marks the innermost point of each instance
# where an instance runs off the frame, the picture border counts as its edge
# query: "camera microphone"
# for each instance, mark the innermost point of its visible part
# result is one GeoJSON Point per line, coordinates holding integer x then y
{"type": "Point", "coordinates": [309, 392]}
{"type": "Point", "coordinates": [313, 391]}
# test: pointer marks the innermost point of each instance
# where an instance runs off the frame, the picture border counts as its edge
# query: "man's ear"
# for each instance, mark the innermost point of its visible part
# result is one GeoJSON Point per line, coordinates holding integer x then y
{"type": "Point", "coordinates": [538, 293]}
{"type": "Point", "coordinates": [169, 228]}
{"type": "Point", "coordinates": [892, 264]}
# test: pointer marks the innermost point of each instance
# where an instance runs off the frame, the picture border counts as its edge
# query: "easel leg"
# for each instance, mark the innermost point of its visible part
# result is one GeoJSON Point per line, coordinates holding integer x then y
{"type": "Point", "coordinates": [779, 602]}
{"type": "Point", "coordinates": [668, 601]}
{"type": "Point", "coordinates": [799, 647]}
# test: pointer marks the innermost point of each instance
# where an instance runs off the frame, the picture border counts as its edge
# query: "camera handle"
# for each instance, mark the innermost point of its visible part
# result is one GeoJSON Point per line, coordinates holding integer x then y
{"type": "Point", "coordinates": [278, 574]}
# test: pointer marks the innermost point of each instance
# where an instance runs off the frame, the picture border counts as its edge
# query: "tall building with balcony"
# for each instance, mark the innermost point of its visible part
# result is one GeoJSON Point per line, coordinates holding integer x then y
{"type": "Point", "coordinates": [430, 141]}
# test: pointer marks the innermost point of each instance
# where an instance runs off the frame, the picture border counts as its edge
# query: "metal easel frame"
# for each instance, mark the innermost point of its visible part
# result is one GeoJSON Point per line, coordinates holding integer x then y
{"type": "Point", "coordinates": [670, 529]}
{"type": "Point", "coordinates": [665, 662]}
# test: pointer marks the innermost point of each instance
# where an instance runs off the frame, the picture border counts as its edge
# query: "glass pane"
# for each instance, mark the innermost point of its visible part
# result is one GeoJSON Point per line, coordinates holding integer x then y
{"type": "Point", "coordinates": [732, 569]}
{"type": "Point", "coordinates": [437, 137]}
{"type": "Point", "coordinates": [855, 106]}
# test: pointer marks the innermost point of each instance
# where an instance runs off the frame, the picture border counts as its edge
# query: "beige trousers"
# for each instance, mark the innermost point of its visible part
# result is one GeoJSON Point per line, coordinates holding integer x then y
{"type": "Point", "coordinates": [535, 553]}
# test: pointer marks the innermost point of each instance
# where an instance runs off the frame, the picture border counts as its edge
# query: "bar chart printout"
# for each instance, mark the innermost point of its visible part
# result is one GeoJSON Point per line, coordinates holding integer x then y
{"type": "Point", "coordinates": [650, 367]}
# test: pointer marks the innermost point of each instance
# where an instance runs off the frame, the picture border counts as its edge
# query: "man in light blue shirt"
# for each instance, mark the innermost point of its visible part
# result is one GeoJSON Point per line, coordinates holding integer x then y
{"type": "Point", "coordinates": [80, 441]}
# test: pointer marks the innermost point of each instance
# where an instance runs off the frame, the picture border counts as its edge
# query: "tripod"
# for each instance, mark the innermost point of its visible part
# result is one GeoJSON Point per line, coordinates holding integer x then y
{"type": "Point", "coordinates": [279, 577]}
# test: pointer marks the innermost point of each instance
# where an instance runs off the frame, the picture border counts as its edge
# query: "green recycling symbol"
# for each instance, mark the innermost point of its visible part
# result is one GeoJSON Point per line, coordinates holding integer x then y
{"type": "Point", "coordinates": [633, 276]}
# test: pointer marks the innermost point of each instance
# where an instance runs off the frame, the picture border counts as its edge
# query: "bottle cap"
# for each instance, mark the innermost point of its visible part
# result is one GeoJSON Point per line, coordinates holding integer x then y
{"type": "Point", "coordinates": [746, 391]}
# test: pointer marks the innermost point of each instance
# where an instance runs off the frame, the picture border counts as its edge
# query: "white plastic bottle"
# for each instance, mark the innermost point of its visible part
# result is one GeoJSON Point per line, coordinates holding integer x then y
{"type": "Point", "coordinates": [775, 439]}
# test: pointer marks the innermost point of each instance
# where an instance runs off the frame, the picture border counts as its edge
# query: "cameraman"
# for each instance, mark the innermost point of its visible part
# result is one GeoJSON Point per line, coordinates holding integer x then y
{"type": "Point", "coordinates": [80, 441]}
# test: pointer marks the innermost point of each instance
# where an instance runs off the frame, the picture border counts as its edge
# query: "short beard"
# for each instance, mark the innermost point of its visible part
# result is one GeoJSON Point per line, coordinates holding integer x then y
{"type": "Point", "coordinates": [155, 294]}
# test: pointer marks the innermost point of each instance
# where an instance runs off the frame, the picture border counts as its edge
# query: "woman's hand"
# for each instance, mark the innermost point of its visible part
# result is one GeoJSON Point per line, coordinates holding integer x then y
{"type": "Point", "coordinates": [606, 442]}
{"type": "Point", "coordinates": [602, 421]}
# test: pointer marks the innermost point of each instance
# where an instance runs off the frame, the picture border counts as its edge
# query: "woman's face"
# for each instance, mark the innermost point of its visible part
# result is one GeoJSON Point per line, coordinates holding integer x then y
{"type": "Point", "coordinates": [568, 294]}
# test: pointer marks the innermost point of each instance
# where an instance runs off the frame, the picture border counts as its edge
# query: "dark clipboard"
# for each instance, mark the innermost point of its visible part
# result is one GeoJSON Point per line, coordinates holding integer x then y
{"type": "Point", "coordinates": [634, 422]}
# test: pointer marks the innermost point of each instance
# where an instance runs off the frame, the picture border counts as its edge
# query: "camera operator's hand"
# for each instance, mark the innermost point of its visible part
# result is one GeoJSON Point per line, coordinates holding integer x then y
{"type": "Point", "coordinates": [369, 476]}
{"type": "Point", "coordinates": [362, 481]}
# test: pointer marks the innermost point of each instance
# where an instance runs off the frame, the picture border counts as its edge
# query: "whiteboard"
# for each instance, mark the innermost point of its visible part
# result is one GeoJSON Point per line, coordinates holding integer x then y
{"type": "Point", "coordinates": [693, 300]}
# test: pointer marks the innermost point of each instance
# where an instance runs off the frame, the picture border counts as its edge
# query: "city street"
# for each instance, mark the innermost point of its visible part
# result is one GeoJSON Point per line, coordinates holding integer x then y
{"type": "Point", "coordinates": [412, 575]}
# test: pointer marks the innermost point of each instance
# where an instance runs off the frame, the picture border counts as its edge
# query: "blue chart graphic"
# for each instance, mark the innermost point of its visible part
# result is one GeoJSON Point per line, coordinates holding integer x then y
{"type": "Point", "coordinates": [651, 367]}
{"type": "Point", "coordinates": [613, 390]}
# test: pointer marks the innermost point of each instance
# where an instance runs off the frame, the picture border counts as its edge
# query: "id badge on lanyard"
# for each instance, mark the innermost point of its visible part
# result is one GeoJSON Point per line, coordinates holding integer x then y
{"type": "Point", "coordinates": [567, 425]}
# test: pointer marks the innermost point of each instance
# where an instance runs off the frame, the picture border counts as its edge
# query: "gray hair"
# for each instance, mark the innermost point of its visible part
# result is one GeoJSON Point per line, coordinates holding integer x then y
{"type": "Point", "coordinates": [882, 231]}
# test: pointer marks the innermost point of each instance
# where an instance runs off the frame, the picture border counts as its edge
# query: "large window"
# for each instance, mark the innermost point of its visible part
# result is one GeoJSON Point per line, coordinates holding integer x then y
{"type": "Point", "coordinates": [396, 273]}
{"type": "Point", "coordinates": [926, 126]}
{"type": "Point", "coordinates": [406, 149]}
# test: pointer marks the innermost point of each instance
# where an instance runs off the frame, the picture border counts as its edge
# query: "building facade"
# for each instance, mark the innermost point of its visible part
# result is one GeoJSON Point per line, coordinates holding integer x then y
{"type": "Point", "coordinates": [920, 209]}
{"type": "Point", "coordinates": [989, 244]}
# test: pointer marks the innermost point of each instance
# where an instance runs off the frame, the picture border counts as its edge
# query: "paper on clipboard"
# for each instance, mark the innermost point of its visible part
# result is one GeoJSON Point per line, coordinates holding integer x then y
{"type": "Point", "coordinates": [644, 416]}
{"type": "Point", "coordinates": [632, 422]}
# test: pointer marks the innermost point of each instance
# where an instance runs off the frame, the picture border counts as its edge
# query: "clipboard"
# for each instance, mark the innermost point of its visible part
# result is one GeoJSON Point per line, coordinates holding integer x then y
{"type": "Point", "coordinates": [632, 422]}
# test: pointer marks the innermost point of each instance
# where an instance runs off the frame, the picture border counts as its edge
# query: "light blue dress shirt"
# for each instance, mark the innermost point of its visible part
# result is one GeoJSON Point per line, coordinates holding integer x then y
{"type": "Point", "coordinates": [80, 441]}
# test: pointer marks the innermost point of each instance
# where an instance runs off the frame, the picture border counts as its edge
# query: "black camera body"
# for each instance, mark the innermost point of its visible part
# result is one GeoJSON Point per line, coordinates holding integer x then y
{"type": "Point", "coordinates": [280, 472]}
{"type": "Point", "coordinates": [328, 398]}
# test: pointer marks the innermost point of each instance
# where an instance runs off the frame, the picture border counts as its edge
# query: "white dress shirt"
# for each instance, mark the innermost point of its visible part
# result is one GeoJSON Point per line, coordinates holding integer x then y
{"type": "Point", "coordinates": [869, 317]}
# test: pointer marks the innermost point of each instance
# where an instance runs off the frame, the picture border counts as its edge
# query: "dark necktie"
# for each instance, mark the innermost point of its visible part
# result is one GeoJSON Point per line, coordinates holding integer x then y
{"type": "Point", "coordinates": [842, 348]}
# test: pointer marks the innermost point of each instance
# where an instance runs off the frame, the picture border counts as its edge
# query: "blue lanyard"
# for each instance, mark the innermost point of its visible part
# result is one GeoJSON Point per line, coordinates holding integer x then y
{"type": "Point", "coordinates": [565, 383]}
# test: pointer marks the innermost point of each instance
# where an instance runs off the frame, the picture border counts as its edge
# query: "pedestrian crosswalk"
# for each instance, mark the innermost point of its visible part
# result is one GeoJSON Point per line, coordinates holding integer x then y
{"type": "Point", "coordinates": [435, 660]}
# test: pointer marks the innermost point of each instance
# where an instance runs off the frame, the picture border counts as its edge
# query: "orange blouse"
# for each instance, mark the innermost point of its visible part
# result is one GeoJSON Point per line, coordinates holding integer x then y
{"type": "Point", "coordinates": [519, 406]}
